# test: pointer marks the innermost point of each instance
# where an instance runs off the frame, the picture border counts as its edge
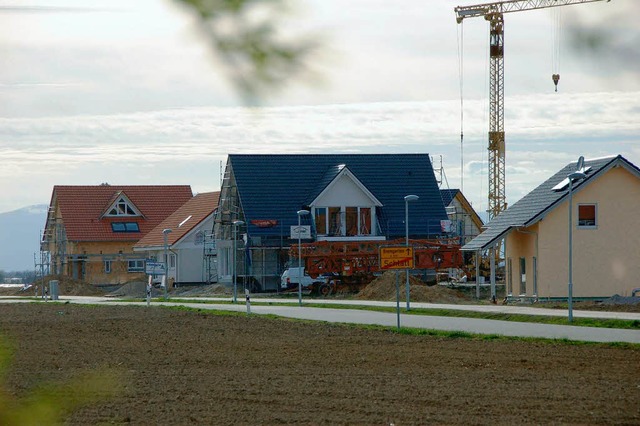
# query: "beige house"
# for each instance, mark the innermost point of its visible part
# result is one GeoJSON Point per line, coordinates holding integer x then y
{"type": "Point", "coordinates": [606, 234]}
{"type": "Point", "coordinates": [91, 229]}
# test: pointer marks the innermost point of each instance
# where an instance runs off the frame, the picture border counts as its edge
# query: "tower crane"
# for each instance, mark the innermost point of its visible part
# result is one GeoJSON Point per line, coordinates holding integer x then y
{"type": "Point", "coordinates": [494, 13]}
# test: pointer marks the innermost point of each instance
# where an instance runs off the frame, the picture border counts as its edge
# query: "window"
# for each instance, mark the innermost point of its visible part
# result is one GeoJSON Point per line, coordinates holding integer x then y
{"type": "Point", "coordinates": [321, 220]}
{"type": "Point", "coordinates": [335, 224]}
{"type": "Point", "coordinates": [351, 221]}
{"type": "Point", "coordinates": [125, 227]}
{"type": "Point", "coordinates": [587, 215]}
{"type": "Point", "coordinates": [509, 277]}
{"type": "Point", "coordinates": [523, 276]}
{"type": "Point", "coordinates": [172, 261]}
{"type": "Point", "coordinates": [136, 265]}
{"type": "Point", "coordinates": [365, 221]}
{"type": "Point", "coordinates": [122, 208]}
{"type": "Point", "coordinates": [107, 266]}
{"type": "Point", "coordinates": [343, 221]}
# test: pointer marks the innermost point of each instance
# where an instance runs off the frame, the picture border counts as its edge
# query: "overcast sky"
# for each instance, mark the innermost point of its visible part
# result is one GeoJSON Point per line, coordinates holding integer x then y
{"type": "Point", "coordinates": [125, 92]}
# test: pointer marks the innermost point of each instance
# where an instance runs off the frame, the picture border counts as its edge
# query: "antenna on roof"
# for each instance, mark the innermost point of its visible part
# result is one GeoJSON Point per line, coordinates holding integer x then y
{"type": "Point", "coordinates": [580, 165]}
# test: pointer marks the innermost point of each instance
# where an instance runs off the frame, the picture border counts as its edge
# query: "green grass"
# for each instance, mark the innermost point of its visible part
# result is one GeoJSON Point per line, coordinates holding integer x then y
{"type": "Point", "coordinates": [538, 319]}
{"type": "Point", "coordinates": [415, 331]}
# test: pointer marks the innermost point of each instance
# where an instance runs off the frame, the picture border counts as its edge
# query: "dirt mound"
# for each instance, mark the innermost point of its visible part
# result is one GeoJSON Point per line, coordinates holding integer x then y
{"type": "Point", "coordinates": [384, 288]}
{"type": "Point", "coordinates": [136, 290]}
{"type": "Point", "coordinates": [66, 287]}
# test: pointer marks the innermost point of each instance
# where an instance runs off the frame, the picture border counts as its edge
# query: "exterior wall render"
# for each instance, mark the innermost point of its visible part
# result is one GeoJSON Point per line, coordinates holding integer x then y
{"type": "Point", "coordinates": [522, 244]}
{"type": "Point", "coordinates": [91, 267]}
{"type": "Point", "coordinates": [605, 259]}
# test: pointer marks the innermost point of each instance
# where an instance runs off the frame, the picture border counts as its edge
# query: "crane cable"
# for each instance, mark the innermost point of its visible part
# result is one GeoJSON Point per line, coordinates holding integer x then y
{"type": "Point", "coordinates": [460, 39]}
{"type": "Point", "coordinates": [556, 36]}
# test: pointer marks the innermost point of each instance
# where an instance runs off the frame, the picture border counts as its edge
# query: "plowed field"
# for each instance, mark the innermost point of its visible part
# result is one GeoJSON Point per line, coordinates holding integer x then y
{"type": "Point", "coordinates": [180, 367]}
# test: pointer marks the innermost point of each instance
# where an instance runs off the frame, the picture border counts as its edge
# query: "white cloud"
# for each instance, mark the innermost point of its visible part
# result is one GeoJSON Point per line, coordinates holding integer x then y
{"type": "Point", "coordinates": [186, 145]}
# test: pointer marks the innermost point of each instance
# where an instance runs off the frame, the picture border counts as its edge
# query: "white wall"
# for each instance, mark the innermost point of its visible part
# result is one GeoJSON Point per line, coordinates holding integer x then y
{"type": "Point", "coordinates": [344, 192]}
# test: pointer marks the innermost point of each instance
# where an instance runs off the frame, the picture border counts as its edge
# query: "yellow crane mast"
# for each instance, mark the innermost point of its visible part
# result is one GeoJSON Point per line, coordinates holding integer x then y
{"type": "Point", "coordinates": [494, 13]}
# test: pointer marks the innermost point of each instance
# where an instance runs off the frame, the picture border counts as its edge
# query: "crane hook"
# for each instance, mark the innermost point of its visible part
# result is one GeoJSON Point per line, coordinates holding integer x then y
{"type": "Point", "coordinates": [555, 78]}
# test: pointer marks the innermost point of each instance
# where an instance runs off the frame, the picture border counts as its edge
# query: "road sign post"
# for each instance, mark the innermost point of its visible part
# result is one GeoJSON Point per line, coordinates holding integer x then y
{"type": "Point", "coordinates": [396, 258]}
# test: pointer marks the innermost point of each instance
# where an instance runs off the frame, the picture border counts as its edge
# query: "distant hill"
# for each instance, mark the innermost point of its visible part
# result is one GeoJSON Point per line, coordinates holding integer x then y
{"type": "Point", "coordinates": [20, 236]}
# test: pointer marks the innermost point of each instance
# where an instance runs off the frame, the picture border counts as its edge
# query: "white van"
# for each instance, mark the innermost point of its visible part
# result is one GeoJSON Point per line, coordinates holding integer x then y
{"type": "Point", "coordinates": [290, 278]}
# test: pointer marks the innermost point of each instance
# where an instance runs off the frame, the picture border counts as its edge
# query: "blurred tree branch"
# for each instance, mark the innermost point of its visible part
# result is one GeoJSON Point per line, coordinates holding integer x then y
{"type": "Point", "coordinates": [245, 35]}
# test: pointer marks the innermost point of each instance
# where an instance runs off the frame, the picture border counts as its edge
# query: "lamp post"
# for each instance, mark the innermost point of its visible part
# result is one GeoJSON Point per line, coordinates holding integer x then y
{"type": "Point", "coordinates": [406, 224]}
{"type": "Point", "coordinates": [165, 233]}
{"type": "Point", "coordinates": [578, 174]}
{"type": "Point", "coordinates": [236, 223]}
{"type": "Point", "coordinates": [300, 275]}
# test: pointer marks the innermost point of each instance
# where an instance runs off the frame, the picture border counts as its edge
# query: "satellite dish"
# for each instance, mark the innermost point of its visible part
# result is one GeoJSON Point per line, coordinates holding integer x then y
{"type": "Point", "coordinates": [580, 165]}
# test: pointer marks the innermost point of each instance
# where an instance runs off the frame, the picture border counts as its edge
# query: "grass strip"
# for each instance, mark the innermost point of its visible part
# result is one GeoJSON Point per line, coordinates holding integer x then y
{"type": "Point", "coordinates": [538, 319]}
{"type": "Point", "coordinates": [414, 331]}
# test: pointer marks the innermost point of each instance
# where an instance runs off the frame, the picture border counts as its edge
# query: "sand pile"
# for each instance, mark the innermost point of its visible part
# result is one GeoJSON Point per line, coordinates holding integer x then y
{"type": "Point", "coordinates": [384, 288]}
{"type": "Point", "coordinates": [66, 287]}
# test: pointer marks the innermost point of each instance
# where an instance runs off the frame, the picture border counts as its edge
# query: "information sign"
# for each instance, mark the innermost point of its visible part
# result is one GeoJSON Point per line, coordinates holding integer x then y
{"type": "Point", "coordinates": [396, 258]}
{"type": "Point", "coordinates": [154, 268]}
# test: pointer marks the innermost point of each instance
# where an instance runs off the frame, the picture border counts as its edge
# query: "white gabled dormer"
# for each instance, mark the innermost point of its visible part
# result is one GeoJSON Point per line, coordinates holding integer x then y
{"type": "Point", "coordinates": [121, 207]}
{"type": "Point", "coordinates": [344, 209]}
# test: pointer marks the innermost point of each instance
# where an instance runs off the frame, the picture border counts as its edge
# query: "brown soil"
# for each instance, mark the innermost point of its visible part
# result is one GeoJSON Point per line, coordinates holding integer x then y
{"type": "Point", "coordinates": [384, 288]}
{"type": "Point", "coordinates": [183, 367]}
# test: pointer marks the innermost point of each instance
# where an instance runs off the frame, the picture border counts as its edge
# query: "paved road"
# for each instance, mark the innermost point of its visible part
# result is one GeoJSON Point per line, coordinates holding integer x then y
{"type": "Point", "coordinates": [480, 326]}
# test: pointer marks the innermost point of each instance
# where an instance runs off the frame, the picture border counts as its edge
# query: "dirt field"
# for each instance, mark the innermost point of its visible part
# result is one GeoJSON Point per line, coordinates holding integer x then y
{"type": "Point", "coordinates": [193, 367]}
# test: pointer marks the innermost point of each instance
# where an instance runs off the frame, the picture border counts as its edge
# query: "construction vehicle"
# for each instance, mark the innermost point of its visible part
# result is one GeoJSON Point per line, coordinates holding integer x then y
{"type": "Point", "coordinates": [348, 266]}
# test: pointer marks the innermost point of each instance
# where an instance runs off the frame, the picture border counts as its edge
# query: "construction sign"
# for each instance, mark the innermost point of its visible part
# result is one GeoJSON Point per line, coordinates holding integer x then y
{"type": "Point", "coordinates": [396, 258]}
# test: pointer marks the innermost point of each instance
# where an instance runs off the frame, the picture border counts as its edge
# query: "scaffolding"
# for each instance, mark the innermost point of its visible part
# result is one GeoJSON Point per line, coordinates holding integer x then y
{"type": "Point", "coordinates": [210, 264]}
{"type": "Point", "coordinates": [54, 236]}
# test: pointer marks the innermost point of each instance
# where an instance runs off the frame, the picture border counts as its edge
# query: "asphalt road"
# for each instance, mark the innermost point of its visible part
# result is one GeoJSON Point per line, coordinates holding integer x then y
{"type": "Point", "coordinates": [470, 325]}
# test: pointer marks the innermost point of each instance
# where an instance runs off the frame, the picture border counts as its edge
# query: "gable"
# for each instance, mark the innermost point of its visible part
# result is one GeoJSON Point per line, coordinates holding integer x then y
{"type": "Point", "coordinates": [122, 206]}
{"type": "Point", "coordinates": [345, 189]}
{"type": "Point", "coordinates": [545, 198]}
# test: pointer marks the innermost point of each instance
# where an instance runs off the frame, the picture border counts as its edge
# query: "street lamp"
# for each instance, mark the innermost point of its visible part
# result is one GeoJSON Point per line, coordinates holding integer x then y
{"type": "Point", "coordinates": [578, 174]}
{"type": "Point", "coordinates": [406, 224]}
{"type": "Point", "coordinates": [236, 223]}
{"type": "Point", "coordinates": [165, 233]}
{"type": "Point", "coordinates": [300, 214]}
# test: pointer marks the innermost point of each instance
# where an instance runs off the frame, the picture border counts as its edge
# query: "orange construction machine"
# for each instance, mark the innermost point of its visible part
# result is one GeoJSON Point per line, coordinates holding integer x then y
{"type": "Point", "coordinates": [351, 265]}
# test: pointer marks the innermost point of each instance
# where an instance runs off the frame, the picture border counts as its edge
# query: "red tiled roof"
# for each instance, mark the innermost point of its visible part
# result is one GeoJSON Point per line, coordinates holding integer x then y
{"type": "Point", "coordinates": [82, 208]}
{"type": "Point", "coordinates": [199, 207]}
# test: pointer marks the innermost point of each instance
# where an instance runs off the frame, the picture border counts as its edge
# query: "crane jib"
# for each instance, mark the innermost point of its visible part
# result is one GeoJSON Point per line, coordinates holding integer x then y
{"type": "Point", "coordinates": [510, 6]}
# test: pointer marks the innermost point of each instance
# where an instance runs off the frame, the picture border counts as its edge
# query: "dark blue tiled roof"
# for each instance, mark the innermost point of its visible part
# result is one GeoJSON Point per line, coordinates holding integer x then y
{"type": "Point", "coordinates": [533, 206]}
{"type": "Point", "coordinates": [448, 195]}
{"type": "Point", "coordinates": [277, 186]}
{"type": "Point", "coordinates": [327, 178]}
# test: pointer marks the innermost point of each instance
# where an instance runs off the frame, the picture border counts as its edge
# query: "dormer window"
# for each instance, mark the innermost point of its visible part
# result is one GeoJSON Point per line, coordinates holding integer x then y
{"type": "Point", "coordinates": [344, 208]}
{"type": "Point", "coordinates": [122, 207]}
{"type": "Point", "coordinates": [343, 221]}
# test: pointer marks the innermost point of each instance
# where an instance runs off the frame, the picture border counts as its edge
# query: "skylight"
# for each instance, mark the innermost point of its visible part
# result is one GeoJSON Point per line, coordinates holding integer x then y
{"type": "Point", "coordinates": [185, 221]}
{"type": "Point", "coordinates": [125, 227]}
